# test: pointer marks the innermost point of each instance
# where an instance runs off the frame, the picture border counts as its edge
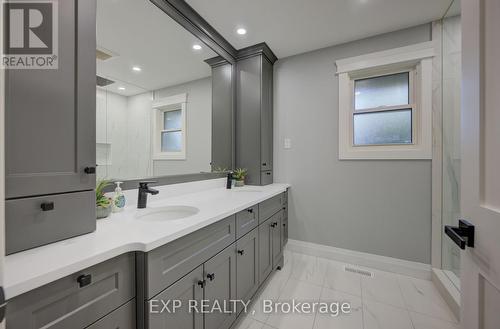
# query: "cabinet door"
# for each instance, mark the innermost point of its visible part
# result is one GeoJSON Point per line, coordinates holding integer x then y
{"type": "Point", "coordinates": [265, 250]}
{"type": "Point", "coordinates": [247, 266]}
{"type": "Point", "coordinates": [220, 289]}
{"type": "Point", "coordinates": [186, 289]}
{"type": "Point", "coordinates": [277, 238]}
{"type": "Point", "coordinates": [50, 113]}
{"type": "Point", "coordinates": [248, 120]}
{"type": "Point", "coordinates": [266, 117]}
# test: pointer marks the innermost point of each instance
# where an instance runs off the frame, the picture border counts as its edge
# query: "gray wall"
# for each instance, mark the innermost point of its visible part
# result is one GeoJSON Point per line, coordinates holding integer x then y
{"type": "Point", "coordinates": [198, 126]}
{"type": "Point", "coordinates": [379, 207]}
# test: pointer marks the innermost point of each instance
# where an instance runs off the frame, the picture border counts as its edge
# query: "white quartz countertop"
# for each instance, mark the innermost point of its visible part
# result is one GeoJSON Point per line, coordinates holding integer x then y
{"type": "Point", "coordinates": [123, 232]}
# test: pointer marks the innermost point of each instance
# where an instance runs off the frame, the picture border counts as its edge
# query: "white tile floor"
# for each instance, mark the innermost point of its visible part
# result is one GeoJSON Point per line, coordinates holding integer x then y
{"type": "Point", "coordinates": [384, 301]}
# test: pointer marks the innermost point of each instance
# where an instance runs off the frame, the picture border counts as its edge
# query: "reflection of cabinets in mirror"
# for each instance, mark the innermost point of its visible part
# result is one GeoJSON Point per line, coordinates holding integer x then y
{"type": "Point", "coordinates": [254, 113]}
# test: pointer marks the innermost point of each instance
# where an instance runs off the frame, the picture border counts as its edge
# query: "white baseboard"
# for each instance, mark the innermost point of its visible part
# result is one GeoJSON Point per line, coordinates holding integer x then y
{"type": "Point", "coordinates": [383, 263]}
{"type": "Point", "coordinates": [450, 293]}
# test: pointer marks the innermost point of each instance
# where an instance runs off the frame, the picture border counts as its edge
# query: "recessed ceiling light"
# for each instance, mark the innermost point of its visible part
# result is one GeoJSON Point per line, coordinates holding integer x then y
{"type": "Point", "coordinates": [121, 88]}
{"type": "Point", "coordinates": [137, 69]}
{"type": "Point", "coordinates": [241, 31]}
{"type": "Point", "coordinates": [196, 47]}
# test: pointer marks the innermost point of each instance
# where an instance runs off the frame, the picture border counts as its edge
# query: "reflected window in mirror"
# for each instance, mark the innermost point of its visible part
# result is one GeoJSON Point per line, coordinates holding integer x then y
{"type": "Point", "coordinates": [154, 94]}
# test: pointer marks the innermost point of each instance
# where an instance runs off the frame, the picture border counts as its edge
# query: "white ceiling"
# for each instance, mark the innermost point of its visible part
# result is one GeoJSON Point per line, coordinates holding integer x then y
{"type": "Point", "coordinates": [291, 27]}
{"type": "Point", "coordinates": [143, 35]}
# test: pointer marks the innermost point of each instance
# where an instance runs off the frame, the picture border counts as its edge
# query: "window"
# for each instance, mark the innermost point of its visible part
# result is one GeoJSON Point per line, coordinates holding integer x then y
{"type": "Point", "coordinates": [169, 128]}
{"type": "Point", "coordinates": [383, 110]}
{"type": "Point", "coordinates": [385, 104]}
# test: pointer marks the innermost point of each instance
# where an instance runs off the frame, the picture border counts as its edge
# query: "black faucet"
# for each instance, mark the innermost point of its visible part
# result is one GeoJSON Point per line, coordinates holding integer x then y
{"type": "Point", "coordinates": [144, 189]}
{"type": "Point", "coordinates": [229, 181]}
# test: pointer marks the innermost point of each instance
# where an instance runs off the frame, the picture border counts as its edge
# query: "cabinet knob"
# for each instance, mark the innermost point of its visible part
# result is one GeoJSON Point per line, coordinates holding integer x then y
{"type": "Point", "coordinates": [47, 206]}
{"type": "Point", "coordinates": [250, 210]}
{"type": "Point", "coordinates": [201, 283]}
{"type": "Point", "coordinates": [211, 276]}
{"type": "Point", "coordinates": [89, 170]}
{"type": "Point", "coordinates": [241, 252]}
{"type": "Point", "coordinates": [84, 280]}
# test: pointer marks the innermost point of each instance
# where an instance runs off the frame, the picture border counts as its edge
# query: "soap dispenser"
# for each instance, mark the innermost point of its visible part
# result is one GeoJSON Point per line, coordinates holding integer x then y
{"type": "Point", "coordinates": [118, 198]}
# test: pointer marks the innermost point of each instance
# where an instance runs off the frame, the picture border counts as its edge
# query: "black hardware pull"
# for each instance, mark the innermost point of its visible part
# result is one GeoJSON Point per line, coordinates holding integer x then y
{"type": "Point", "coordinates": [47, 206]}
{"type": "Point", "coordinates": [84, 280]}
{"type": "Point", "coordinates": [463, 235]}
{"type": "Point", "coordinates": [89, 170]}
{"type": "Point", "coordinates": [211, 276]}
{"type": "Point", "coordinates": [268, 173]}
{"type": "Point", "coordinates": [201, 283]}
{"type": "Point", "coordinates": [241, 252]}
{"type": "Point", "coordinates": [264, 164]}
{"type": "Point", "coordinates": [250, 210]}
{"type": "Point", "coordinates": [274, 224]}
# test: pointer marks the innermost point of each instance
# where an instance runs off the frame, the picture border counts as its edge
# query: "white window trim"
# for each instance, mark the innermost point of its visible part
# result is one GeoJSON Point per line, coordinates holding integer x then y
{"type": "Point", "coordinates": [417, 57]}
{"type": "Point", "coordinates": [160, 106]}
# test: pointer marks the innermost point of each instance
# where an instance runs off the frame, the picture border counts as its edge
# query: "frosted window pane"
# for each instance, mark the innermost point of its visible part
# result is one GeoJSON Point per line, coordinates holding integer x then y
{"type": "Point", "coordinates": [390, 127]}
{"type": "Point", "coordinates": [172, 120]}
{"type": "Point", "coordinates": [171, 141]}
{"type": "Point", "coordinates": [389, 90]}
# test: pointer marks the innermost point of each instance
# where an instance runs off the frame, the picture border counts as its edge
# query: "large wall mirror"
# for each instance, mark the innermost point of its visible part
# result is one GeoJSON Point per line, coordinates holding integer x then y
{"type": "Point", "coordinates": [154, 94]}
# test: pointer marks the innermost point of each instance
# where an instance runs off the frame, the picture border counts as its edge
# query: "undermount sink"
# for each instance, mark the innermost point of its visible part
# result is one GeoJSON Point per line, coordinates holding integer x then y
{"type": "Point", "coordinates": [167, 213]}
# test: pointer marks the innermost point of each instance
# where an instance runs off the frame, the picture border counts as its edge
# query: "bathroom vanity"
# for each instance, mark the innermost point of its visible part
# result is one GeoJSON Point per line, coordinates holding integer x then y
{"type": "Point", "coordinates": [112, 278]}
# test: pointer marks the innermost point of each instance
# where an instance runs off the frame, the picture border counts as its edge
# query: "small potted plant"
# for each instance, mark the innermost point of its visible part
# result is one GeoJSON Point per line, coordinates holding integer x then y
{"type": "Point", "coordinates": [239, 176]}
{"type": "Point", "coordinates": [102, 202]}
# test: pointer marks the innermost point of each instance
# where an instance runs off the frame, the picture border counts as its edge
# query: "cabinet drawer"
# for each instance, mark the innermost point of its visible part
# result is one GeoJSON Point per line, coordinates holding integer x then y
{"type": "Point", "coordinates": [168, 263]}
{"type": "Point", "coordinates": [246, 221]}
{"type": "Point", "coordinates": [64, 304]}
{"type": "Point", "coordinates": [122, 318]}
{"type": "Point", "coordinates": [266, 177]}
{"type": "Point", "coordinates": [28, 225]}
{"type": "Point", "coordinates": [269, 207]}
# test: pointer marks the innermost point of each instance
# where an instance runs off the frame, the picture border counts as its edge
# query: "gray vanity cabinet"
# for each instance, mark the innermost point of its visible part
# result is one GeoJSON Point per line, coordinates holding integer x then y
{"type": "Point", "coordinates": [78, 300]}
{"type": "Point", "coordinates": [277, 237]}
{"type": "Point", "coordinates": [247, 220]}
{"type": "Point", "coordinates": [122, 318]}
{"type": "Point", "coordinates": [50, 113]}
{"type": "Point", "coordinates": [247, 266]}
{"type": "Point", "coordinates": [189, 287]}
{"type": "Point", "coordinates": [50, 137]}
{"type": "Point", "coordinates": [265, 250]}
{"type": "Point", "coordinates": [254, 113]}
{"type": "Point", "coordinates": [220, 288]}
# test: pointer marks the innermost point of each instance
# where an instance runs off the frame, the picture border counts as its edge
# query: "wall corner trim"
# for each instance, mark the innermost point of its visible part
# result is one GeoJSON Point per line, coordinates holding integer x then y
{"type": "Point", "coordinates": [382, 263]}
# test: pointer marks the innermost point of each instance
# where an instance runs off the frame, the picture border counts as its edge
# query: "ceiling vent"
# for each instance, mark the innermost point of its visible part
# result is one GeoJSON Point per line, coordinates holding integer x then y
{"type": "Point", "coordinates": [103, 82]}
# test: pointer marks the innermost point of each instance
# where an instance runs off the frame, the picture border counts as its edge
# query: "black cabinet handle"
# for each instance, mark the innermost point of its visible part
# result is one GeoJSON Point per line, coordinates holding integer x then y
{"type": "Point", "coordinates": [268, 173]}
{"type": "Point", "coordinates": [241, 252]}
{"type": "Point", "coordinates": [463, 235]}
{"type": "Point", "coordinates": [84, 280]}
{"type": "Point", "coordinates": [250, 210]}
{"type": "Point", "coordinates": [274, 224]}
{"type": "Point", "coordinates": [89, 170]}
{"type": "Point", "coordinates": [264, 164]}
{"type": "Point", "coordinates": [201, 283]}
{"type": "Point", "coordinates": [47, 206]}
{"type": "Point", "coordinates": [211, 276]}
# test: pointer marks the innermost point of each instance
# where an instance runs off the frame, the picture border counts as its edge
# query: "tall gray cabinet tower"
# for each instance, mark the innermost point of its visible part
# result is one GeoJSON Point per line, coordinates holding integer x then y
{"type": "Point", "coordinates": [50, 138]}
{"type": "Point", "coordinates": [254, 113]}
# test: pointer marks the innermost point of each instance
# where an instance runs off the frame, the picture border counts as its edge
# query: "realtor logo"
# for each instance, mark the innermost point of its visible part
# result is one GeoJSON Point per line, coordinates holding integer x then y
{"type": "Point", "coordinates": [30, 34]}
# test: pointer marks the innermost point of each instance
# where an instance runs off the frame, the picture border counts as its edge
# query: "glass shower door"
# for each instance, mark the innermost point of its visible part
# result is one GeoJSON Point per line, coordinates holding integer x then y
{"type": "Point", "coordinates": [451, 142]}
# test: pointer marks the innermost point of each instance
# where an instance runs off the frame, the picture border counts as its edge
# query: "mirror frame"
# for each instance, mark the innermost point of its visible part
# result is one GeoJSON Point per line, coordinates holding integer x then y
{"type": "Point", "coordinates": [188, 18]}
